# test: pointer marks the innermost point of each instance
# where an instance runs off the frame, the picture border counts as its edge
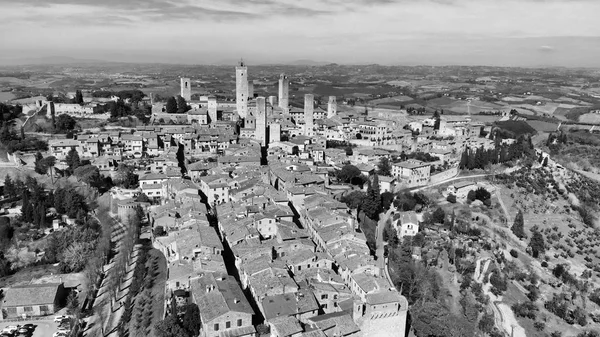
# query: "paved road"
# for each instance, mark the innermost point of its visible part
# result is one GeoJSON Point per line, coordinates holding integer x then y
{"type": "Point", "coordinates": [103, 300]}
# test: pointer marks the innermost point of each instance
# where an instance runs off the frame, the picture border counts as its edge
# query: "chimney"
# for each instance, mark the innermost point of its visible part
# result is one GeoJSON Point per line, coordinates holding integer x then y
{"type": "Point", "coordinates": [236, 300]}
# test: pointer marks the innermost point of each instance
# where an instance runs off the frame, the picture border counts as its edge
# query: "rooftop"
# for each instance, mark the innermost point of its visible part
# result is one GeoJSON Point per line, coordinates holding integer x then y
{"type": "Point", "coordinates": [28, 295]}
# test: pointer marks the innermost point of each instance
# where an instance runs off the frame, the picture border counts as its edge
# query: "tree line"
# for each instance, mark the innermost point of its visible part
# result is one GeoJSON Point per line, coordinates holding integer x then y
{"type": "Point", "coordinates": [480, 157]}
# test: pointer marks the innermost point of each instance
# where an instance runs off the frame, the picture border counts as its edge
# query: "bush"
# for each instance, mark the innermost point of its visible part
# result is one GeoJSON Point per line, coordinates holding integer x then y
{"type": "Point", "coordinates": [525, 309]}
{"type": "Point", "coordinates": [514, 253]}
{"type": "Point", "coordinates": [539, 326]}
{"type": "Point", "coordinates": [451, 198]}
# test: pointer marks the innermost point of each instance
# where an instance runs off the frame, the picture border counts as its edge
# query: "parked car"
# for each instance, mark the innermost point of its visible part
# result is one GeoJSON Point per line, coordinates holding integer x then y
{"type": "Point", "coordinates": [29, 326]}
{"type": "Point", "coordinates": [11, 329]}
{"type": "Point", "coordinates": [60, 334]}
{"type": "Point", "coordinates": [60, 318]}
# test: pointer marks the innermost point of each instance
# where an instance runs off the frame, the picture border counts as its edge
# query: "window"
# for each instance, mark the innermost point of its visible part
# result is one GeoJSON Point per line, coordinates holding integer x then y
{"type": "Point", "coordinates": [239, 322]}
{"type": "Point", "coordinates": [324, 296]}
{"type": "Point", "coordinates": [44, 308]}
{"type": "Point", "coordinates": [216, 327]}
{"type": "Point", "coordinates": [28, 309]}
{"type": "Point", "coordinates": [11, 310]}
{"type": "Point", "coordinates": [299, 268]}
{"type": "Point", "coordinates": [227, 325]}
{"type": "Point", "coordinates": [325, 306]}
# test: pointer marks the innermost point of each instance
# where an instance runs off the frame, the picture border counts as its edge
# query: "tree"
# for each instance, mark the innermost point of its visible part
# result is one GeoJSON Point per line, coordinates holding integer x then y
{"type": "Point", "coordinates": [386, 200]}
{"type": "Point", "coordinates": [65, 122]}
{"type": "Point", "coordinates": [72, 159]}
{"type": "Point", "coordinates": [451, 198]}
{"type": "Point", "coordinates": [9, 187]}
{"type": "Point", "coordinates": [487, 323]}
{"type": "Point", "coordinates": [191, 319]}
{"type": "Point", "coordinates": [384, 167]}
{"type": "Point", "coordinates": [126, 177]}
{"type": "Point", "coordinates": [72, 303]}
{"type": "Point", "coordinates": [38, 163]}
{"type": "Point", "coordinates": [349, 151]}
{"type": "Point", "coordinates": [432, 319]}
{"type": "Point", "coordinates": [171, 107]}
{"type": "Point", "coordinates": [169, 327]}
{"type": "Point", "coordinates": [372, 204]}
{"type": "Point", "coordinates": [78, 97]}
{"type": "Point", "coordinates": [180, 155]}
{"type": "Point", "coordinates": [498, 282]}
{"type": "Point", "coordinates": [517, 227]}
{"type": "Point", "coordinates": [347, 173]}
{"type": "Point", "coordinates": [182, 106]}
{"type": "Point", "coordinates": [537, 244]}
{"type": "Point", "coordinates": [354, 199]}
{"type": "Point", "coordinates": [142, 197]}
{"type": "Point", "coordinates": [439, 216]}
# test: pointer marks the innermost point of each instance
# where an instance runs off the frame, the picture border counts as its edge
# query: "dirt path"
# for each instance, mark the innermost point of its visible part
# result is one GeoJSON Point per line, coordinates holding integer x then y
{"type": "Point", "coordinates": [498, 194]}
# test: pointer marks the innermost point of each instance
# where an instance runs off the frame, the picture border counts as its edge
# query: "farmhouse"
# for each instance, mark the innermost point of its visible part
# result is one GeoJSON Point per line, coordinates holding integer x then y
{"type": "Point", "coordinates": [408, 224]}
{"type": "Point", "coordinates": [33, 300]}
{"type": "Point", "coordinates": [461, 189]}
{"type": "Point", "coordinates": [412, 172]}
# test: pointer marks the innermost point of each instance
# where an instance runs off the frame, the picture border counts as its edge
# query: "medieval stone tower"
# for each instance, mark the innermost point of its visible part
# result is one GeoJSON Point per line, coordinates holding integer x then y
{"type": "Point", "coordinates": [273, 100]}
{"type": "Point", "coordinates": [274, 133]}
{"type": "Point", "coordinates": [331, 107]}
{"type": "Point", "coordinates": [250, 89]}
{"type": "Point", "coordinates": [241, 89]}
{"type": "Point", "coordinates": [284, 92]}
{"type": "Point", "coordinates": [261, 121]}
{"type": "Point", "coordinates": [212, 109]}
{"type": "Point", "coordinates": [186, 88]}
{"type": "Point", "coordinates": [309, 118]}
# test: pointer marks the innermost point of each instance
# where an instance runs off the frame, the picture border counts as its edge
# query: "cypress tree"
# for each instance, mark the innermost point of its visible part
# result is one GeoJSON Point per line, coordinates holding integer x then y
{"type": "Point", "coordinates": [9, 187]}
{"type": "Point", "coordinates": [372, 204]}
{"type": "Point", "coordinates": [517, 227]}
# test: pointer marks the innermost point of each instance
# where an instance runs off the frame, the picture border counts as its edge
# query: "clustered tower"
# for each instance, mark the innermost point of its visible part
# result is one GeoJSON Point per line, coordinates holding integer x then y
{"type": "Point", "coordinates": [241, 89]}
{"type": "Point", "coordinates": [331, 107]}
{"type": "Point", "coordinates": [186, 89]}
{"type": "Point", "coordinates": [309, 118]}
{"type": "Point", "coordinates": [284, 87]}
{"type": "Point", "coordinates": [261, 121]}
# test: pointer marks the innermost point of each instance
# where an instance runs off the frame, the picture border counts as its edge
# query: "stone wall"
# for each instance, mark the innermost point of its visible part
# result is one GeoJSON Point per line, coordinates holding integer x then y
{"type": "Point", "coordinates": [439, 177]}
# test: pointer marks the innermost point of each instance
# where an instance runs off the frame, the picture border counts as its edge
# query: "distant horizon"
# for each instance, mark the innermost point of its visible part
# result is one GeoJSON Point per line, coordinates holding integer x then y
{"type": "Point", "coordinates": [510, 33]}
{"type": "Point", "coordinates": [57, 60]}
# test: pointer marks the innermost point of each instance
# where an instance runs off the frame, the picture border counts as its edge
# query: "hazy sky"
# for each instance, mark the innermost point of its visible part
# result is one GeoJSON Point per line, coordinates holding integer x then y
{"type": "Point", "coordinates": [489, 32]}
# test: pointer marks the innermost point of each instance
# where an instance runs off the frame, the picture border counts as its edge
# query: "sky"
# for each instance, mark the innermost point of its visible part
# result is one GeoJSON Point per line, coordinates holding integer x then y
{"type": "Point", "coordinates": [400, 32]}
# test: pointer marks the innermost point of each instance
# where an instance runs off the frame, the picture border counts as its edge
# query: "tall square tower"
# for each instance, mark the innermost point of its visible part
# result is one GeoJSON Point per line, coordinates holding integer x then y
{"type": "Point", "coordinates": [241, 89]}
{"type": "Point", "coordinates": [186, 89]}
